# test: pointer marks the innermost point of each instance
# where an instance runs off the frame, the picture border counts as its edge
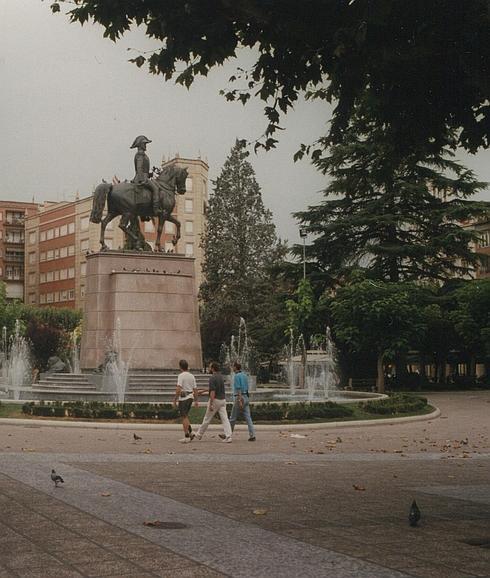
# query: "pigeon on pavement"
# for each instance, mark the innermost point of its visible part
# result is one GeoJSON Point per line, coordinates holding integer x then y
{"type": "Point", "coordinates": [414, 515]}
{"type": "Point", "coordinates": [56, 478]}
{"type": "Point", "coordinates": [136, 437]}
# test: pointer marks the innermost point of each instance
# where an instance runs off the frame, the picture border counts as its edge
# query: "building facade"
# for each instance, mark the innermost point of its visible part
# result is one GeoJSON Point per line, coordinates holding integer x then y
{"type": "Point", "coordinates": [13, 216]}
{"type": "Point", "coordinates": [59, 236]}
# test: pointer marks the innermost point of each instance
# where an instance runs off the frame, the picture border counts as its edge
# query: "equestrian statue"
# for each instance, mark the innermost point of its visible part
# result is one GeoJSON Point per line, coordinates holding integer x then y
{"type": "Point", "coordinates": [142, 198]}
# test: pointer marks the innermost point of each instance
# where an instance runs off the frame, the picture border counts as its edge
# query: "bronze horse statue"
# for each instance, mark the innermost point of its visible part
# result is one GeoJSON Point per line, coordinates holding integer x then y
{"type": "Point", "coordinates": [132, 200]}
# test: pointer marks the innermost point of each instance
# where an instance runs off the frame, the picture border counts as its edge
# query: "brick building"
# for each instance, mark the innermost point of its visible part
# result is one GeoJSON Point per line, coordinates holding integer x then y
{"type": "Point", "coordinates": [12, 242]}
{"type": "Point", "coordinates": [59, 235]}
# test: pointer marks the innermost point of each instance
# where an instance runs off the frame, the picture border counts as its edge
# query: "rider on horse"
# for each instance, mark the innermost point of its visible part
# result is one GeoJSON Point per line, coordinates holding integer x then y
{"type": "Point", "coordinates": [142, 167]}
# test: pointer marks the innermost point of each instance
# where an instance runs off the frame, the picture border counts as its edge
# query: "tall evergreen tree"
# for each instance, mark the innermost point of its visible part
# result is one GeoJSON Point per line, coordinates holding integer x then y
{"type": "Point", "coordinates": [240, 251]}
{"type": "Point", "coordinates": [399, 217]}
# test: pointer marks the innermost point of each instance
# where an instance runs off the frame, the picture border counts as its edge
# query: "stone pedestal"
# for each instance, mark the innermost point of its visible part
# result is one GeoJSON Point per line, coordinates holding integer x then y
{"type": "Point", "coordinates": [154, 298]}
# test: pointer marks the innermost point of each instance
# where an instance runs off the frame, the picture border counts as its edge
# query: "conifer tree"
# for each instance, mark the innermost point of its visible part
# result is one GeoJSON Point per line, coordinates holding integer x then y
{"type": "Point", "coordinates": [240, 251]}
{"type": "Point", "coordinates": [398, 217]}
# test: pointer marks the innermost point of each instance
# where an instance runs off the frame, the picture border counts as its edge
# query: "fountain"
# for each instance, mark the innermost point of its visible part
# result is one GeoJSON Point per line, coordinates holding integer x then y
{"type": "Point", "coordinates": [75, 354]}
{"type": "Point", "coordinates": [311, 374]}
{"type": "Point", "coordinates": [241, 350]}
{"type": "Point", "coordinates": [18, 362]}
{"type": "Point", "coordinates": [116, 369]}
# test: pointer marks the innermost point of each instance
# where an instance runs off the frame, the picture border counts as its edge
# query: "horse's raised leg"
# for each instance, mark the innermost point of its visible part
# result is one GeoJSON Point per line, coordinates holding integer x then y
{"type": "Point", "coordinates": [103, 224]}
{"type": "Point", "coordinates": [161, 221]}
{"type": "Point", "coordinates": [173, 220]}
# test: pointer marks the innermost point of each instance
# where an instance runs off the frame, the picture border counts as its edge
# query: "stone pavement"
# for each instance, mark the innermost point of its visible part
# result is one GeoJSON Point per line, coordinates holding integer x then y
{"type": "Point", "coordinates": [327, 503]}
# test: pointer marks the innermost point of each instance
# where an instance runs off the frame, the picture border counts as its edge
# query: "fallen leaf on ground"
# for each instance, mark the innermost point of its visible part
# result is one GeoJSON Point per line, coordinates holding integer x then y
{"type": "Point", "coordinates": [28, 449]}
{"type": "Point", "coordinates": [147, 451]}
{"type": "Point", "coordinates": [259, 511]}
{"type": "Point", "coordinates": [359, 488]}
{"type": "Point", "coordinates": [291, 463]}
{"type": "Point", "coordinates": [297, 436]}
{"type": "Point", "coordinates": [155, 523]}
{"type": "Point", "coordinates": [105, 494]}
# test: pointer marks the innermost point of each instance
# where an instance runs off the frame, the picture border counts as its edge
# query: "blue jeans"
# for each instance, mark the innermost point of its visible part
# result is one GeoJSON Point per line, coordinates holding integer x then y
{"type": "Point", "coordinates": [235, 412]}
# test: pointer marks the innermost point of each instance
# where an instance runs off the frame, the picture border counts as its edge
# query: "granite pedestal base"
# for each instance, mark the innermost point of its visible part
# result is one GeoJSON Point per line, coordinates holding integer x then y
{"type": "Point", "coordinates": [153, 298]}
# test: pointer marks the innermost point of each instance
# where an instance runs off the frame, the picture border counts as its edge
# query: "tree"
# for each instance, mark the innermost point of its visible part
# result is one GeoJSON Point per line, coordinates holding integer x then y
{"type": "Point", "coordinates": [240, 252]}
{"type": "Point", "coordinates": [471, 319]}
{"type": "Point", "coordinates": [424, 65]}
{"type": "Point", "coordinates": [382, 317]}
{"type": "Point", "coordinates": [397, 216]}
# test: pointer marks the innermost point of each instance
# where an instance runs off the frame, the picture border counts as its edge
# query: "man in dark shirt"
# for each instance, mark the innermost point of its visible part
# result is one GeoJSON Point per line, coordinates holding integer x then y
{"type": "Point", "coordinates": [216, 404]}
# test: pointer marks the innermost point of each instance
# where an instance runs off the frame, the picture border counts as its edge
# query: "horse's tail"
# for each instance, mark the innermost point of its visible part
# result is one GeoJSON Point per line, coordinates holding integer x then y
{"type": "Point", "coordinates": [98, 204]}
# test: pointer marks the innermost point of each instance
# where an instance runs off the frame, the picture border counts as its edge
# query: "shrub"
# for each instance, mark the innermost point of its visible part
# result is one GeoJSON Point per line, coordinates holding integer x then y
{"type": "Point", "coordinates": [107, 413]}
{"type": "Point", "coordinates": [167, 411]}
{"type": "Point", "coordinates": [397, 403]}
{"type": "Point", "coordinates": [267, 412]}
{"type": "Point", "coordinates": [315, 410]}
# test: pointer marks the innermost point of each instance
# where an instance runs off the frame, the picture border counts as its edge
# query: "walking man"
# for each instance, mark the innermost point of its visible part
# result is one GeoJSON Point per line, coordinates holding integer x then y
{"type": "Point", "coordinates": [216, 404]}
{"type": "Point", "coordinates": [241, 402]}
{"type": "Point", "coordinates": [185, 394]}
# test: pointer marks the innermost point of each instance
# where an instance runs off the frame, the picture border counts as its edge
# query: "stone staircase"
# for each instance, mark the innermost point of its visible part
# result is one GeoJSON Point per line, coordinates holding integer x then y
{"type": "Point", "coordinates": [150, 387]}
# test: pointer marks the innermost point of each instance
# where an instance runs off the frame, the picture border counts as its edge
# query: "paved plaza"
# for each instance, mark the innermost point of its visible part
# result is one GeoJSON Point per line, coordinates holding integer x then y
{"type": "Point", "coordinates": [298, 502]}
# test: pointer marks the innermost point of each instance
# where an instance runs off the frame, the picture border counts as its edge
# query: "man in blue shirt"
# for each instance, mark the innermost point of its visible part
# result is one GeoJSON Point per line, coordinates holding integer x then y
{"type": "Point", "coordinates": [240, 400]}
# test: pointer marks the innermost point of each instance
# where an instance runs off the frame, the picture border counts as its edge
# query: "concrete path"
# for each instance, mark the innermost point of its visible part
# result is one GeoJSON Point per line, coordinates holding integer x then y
{"type": "Point", "coordinates": [294, 503]}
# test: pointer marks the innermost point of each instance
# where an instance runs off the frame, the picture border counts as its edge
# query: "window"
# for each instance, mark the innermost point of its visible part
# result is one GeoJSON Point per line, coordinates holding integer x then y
{"type": "Point", "coordinates": [83, 269]}
{"type": "Point", "coordinates": [63, 252]}
{"type": "Point", "coordinates": [49, 255]}
{"type": "Point", "coordinates": [71, 228]}
{"type": "Point", "coordinates": [32, 238]}
{"type": "Point", "coordinates": [42, 298]}
{"type": "Point", "coordinates": [71, 250]}
{"type": "Point", "coordinates": [63, 295]}
{"type": "Point", "coordinates": [63, 230]}
{"type": "Point", "coordinates": [42, 256]}
{"type": "Point", "coordinates": [71, 273]}
{"type": "Point", "coordinates": [49, 234]}
{"type": "Point", "coordinates": [49, 297]}
{"type": "Point", "coordinates": [32, 298]}
{"type": "Point", "coordinates": [84, 245]}
{"type": "Point", "coordinates": [485, 239]}
{"type": "Point", "coordinates": [49, 276]}
{"type": "Point", "coordinates": [71, 294]}
{"type": "Point", "coordinates": [42, 278]}
{"type": "Point", "coordinates": [84, 224]}
{"type": "Point", "coordinates": [149, 228]}
{"type": "Point", "coordinates": [63, 274]}
{"type": "Point", "coordinates": [189, 249]}
{"type": "Point", "coordinates": [42, 236]}
{"type": "Point", "coordinates": [56, 232]}
{"type": "Point", "coordinates": [56, 253]}
{"type": "Point", "coordinates": [188, 206]}
{"type": "Point", "coordinates": [82, 290]}
{"type": "Point", "coordinates": [188, 184]}
{"type": "Point", "coordinates": [32, 258]}
{"type": "Point", "coordinates": [169, 227]}
{"type": "Point", "coordinates": [56, 296]}
{"type": "Point", "coordinates": [56, 275]}
{"type": "Point", "coordinates": [189, 227]}
{"type": "Point", "coordinates": [32, 278]}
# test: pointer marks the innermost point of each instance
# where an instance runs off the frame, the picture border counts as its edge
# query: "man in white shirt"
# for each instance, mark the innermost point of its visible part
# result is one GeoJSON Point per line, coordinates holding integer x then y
{"type": "Point", "coordinates": [185, 394]}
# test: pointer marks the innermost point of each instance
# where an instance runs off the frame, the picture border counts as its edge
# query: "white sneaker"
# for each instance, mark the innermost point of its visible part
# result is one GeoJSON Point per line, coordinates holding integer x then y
{"type": "Point", "coordinates": [227, 441]}
{"type": "Point", "coordinates": [185, 440]}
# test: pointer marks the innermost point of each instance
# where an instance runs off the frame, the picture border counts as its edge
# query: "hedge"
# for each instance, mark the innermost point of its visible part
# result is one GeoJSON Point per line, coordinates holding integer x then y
{"type": "Point", "coordinates": [396, 403]}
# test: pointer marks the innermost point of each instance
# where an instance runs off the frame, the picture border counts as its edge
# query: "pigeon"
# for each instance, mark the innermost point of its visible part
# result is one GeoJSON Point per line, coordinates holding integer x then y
{"type": "Point", "coordinates": [137, 437]}
{"type": "Point", "coordinates": [414, 514]}
{"type": "Point", "coordinates": [56, 478]}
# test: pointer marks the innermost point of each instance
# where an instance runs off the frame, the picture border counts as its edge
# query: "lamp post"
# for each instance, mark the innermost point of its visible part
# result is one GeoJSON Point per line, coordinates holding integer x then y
{"type": "Point", "coordinates": [303, 233]}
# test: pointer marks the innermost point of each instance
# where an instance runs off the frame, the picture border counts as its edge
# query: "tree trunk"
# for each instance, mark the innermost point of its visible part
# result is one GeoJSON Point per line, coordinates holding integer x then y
{"type": "Point", "coordinates": [380, 381]}
{"type": "Point", "coordinates": [472, 368]}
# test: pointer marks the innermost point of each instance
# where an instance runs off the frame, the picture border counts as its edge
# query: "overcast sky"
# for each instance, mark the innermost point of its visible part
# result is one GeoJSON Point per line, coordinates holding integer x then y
{"type": "Point", "coordinates": [71, 105]}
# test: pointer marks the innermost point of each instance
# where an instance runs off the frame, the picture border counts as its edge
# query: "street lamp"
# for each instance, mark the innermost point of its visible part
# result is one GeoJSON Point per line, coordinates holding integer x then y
{"type": "Point", "coordinates": [303, 233]}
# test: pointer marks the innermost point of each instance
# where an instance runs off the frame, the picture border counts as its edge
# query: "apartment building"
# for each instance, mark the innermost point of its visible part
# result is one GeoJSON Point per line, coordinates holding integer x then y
{"type": "Point", "coordinates": [59, 236]}
{"type": "Point", "coordinates": [482, 247]}
{"type": "Point", "coordinates": [12, 242]}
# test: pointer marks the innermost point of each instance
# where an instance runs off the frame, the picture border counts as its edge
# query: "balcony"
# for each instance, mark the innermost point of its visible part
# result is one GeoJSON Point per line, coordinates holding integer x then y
{"type": "Point", "coordinates": [9, 258]}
